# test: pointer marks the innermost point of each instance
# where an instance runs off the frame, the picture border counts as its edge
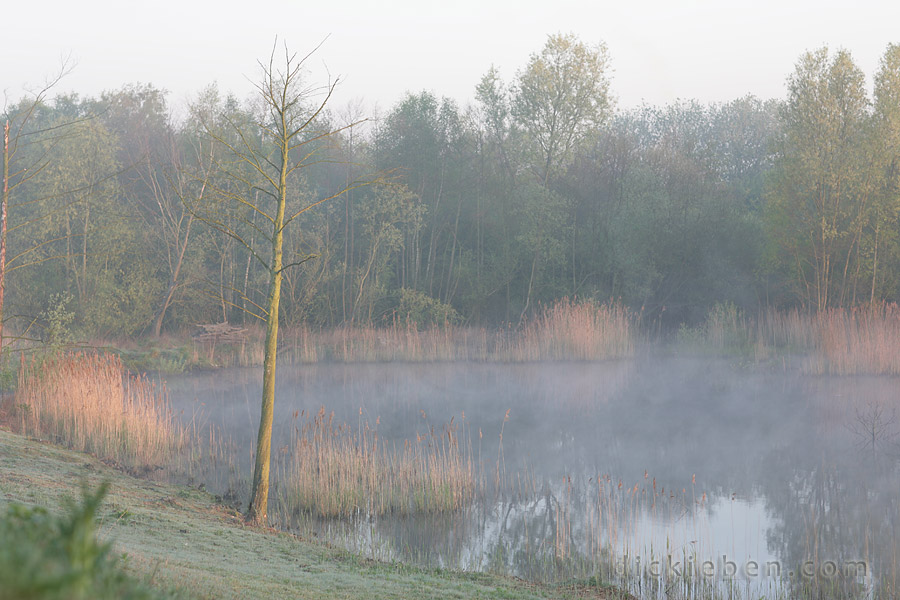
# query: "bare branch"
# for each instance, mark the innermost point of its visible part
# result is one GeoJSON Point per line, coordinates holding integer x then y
{"type": "Point", "coordinates": [298, 263]}
{"type": "Point", "coordinates": [219, 298]}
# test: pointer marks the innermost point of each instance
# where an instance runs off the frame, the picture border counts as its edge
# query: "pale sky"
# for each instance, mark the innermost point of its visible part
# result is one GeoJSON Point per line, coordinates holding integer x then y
{"type": "Point", "coordinates": [660, 50]}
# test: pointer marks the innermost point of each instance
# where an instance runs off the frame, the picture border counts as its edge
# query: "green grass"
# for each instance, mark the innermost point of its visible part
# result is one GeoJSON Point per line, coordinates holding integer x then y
{"type": "Point", "coordinates": [46, 556]}
{"type": "Point", "coordinates": [179, 537]}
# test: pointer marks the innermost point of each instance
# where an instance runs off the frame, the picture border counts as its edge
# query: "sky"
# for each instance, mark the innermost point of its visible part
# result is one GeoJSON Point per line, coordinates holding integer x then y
{"type": "Point", "coordinates": [660, 50]}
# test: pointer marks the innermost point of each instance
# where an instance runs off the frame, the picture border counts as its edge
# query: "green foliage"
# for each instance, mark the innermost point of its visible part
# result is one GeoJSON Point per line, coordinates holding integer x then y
{"type": "Point", "coordinates": [49, 557]}
{"type": "Point", "coordinates": [832, 214]}
{"type": "Point", "coordinates": [9, 372]}
{"type": "Point", "coordinates": [58, 320]}
{"type": "Point", "coordinates": [385, 215]}
{"type": "Point", "coordinates": [562, 95]}
{"type": "Point", "coordinates": [164, 360]}
{"type": "Point", "coordinates": [123, 297]}
{"type": "Point", "coordinates": [689, 337]}
{"type": "Point", "coordinates": [726, 328]}
{"type": "Point", "coordinates": [416, 307]}
{"type": "Point", "coordinates": [540, 191]}
{"type": "Point", "coordinates": [725, 331]}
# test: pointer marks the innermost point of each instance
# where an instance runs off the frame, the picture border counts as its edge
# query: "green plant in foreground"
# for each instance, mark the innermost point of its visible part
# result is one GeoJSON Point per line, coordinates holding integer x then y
{"type": "Point", "coordinates": [47, 557]}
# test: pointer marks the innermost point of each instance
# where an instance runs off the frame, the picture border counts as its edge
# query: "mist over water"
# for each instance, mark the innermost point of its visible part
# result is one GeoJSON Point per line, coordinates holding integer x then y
{"type": "Point", "coordinates": [689, 457]}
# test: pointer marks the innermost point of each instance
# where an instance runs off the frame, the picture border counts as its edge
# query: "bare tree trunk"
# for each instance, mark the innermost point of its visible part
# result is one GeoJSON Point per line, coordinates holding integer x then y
{"type": "Point", "coordinates": [348, 234]}
{"type": "Point", "coordinates": [244, 295]}
{"type": "Point", "coordinates": [82, 288]}
{"type": "Point", "coordinates": [226, 247]}
{"type": "Point", "coordinates": [259, 492]}
{"type": "Point", "coordinates": [432, 242]}
{"type": "Point", "coordinates": [530, 286]}
{"type": "Point", "coordinates": [874, 267]}
{"type": "Point", "coordinates": [3, 208]}
{"type": "Point", "coordinates": [285, 128]}
{"type": "Point", "coordinates": [448, 295]}
{"type": "Point", "coordinates": [173, 282]}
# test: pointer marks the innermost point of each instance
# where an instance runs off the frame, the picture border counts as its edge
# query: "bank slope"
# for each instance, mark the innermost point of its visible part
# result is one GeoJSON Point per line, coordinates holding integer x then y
{"type": "Point", "coordinates": [184, 538]}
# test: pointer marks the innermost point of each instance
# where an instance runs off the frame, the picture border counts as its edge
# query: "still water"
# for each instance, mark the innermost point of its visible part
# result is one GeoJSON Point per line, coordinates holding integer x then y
{"type": "Point", "coordinates": [663, 474]}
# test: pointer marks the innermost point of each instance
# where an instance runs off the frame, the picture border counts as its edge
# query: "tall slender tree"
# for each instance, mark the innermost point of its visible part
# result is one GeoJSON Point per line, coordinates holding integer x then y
{"type": "Point", "coordinates": [260, 163]}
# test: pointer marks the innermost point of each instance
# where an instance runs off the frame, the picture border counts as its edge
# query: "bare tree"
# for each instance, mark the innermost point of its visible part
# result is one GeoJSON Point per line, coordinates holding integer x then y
{"type": "Point", "coordinates": [255, 201]}
{"type": "Point", "coordinates": [874, 424]}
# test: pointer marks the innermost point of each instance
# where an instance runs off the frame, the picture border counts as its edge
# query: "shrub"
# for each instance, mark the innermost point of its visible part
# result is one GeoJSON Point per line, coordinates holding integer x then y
{"type": "Point", "coordinates": [423, 310]}
{"type": "Point", "coordinates": [47, 557]}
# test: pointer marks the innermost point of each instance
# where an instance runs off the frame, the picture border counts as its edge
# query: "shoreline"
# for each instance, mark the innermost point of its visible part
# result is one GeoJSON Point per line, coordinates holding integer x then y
{"type": "Point", "coordinates": [181, 537]}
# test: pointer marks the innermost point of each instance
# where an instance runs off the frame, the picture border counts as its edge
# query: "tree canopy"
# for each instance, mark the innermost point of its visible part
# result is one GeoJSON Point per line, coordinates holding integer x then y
{"type": "Point", "coordinates": [539, 189]}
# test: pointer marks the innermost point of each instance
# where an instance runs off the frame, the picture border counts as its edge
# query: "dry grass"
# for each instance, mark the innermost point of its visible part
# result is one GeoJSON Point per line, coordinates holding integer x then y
{"type": "Point", "coordinates": [567, 330]}
{"type": "Point", "coordinates": [571, 330]}
{"type": "Point", "coordinates": [860, 340]}
{"type": "Point", "coordinates": [863, 340]}
{"type": "Point", "coordinates": [400, 341]}
{"type": "Point", "coordinates": [840, 341]}
{"type": "Point", "coordinates": [340, 470]}
{"type": "Point", "coordinates": [90, 403]}
{"type": "Point", "coordinates": [791, 331]}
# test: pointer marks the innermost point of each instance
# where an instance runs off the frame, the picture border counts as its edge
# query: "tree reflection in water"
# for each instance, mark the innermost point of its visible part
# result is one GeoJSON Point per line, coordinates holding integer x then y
{"type": "Point", "coordinates": [638, 459]}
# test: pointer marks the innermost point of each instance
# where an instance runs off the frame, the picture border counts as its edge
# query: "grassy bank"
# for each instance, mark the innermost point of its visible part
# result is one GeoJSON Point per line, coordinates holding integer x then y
{"type": "Point", "coordinates": [182, 538]}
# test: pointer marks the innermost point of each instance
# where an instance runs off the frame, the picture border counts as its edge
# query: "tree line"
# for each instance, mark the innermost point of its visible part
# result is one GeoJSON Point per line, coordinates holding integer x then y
{"type": "Point", "coordinates": [128, 220]}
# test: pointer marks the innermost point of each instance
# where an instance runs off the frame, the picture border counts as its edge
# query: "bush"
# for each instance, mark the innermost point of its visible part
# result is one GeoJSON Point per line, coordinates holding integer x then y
{"type": "Point", "coordinates": [423, 310]}
{"type": "Point", "coordinates": [45, 557]}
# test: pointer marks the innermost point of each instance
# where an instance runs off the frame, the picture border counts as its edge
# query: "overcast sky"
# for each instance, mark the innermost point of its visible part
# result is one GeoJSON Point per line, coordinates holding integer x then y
{"type": "Point", "coordinates": [661, 50]}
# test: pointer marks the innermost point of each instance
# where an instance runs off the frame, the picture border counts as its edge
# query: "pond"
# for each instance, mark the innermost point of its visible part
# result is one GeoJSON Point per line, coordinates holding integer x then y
{"type": "Point", "coordinates": [662, 474]}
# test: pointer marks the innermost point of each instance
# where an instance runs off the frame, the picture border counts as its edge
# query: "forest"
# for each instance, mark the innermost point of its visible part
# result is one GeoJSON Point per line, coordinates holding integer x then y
{"type": "Point", "coordinates": [126, 216]}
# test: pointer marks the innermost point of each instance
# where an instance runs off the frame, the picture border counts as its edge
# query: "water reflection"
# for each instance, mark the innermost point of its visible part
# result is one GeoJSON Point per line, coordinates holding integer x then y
{"type": "Point", "coordinates": [600, 463]}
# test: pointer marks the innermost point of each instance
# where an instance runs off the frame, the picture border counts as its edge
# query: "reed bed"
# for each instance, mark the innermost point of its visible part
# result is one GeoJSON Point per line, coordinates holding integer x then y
{"type": "Point", "coordinates": [570, 330]}
{"type": "Point", "coordinates": [863, 340]}
{"type": "Point", "coordinates": [566, 330]}
{"type": "Point", "coordinates": [90, 403]}
{"type": "Point", "coordinates": [338, 470]}
{"type": "Point", "coordinates": [791, 331]}
{"type": "Point", "coordinates": [401, 341]}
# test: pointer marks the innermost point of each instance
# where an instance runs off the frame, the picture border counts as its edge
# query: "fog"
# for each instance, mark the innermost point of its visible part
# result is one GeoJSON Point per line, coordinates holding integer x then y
{"type": "Point", "coordinates": [508, 202]}
{"type": "Point", "coordinates": [664, 51]}
{"type": "Point", "coordinates": [696, 458]}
